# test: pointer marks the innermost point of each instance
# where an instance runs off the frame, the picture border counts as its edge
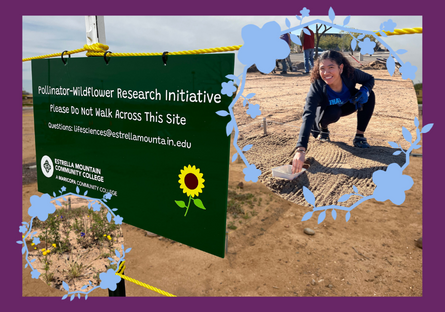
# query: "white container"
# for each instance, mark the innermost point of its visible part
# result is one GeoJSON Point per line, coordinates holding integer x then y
{"type": "Point", "coordinates": [285, 172]}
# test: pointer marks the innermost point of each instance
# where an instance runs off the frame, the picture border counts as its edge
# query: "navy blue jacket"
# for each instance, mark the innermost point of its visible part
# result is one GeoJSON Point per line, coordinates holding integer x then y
{"type": "Point", "coordinates": [317, 101]}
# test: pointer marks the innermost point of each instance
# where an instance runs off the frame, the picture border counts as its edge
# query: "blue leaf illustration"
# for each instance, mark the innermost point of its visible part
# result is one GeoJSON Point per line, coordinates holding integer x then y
{"type": "Point", "coordinates": [78, 295]}
{"type": "Point", "coordinates": [64, 297]}
{"type": "Point", "coordinates": [25, 223]}
{"type": "Point", "coordinates": [114, 209]}
{"type": "Point", "coordinates": [222, 113]}
{"type": "Point", "coordinates": [361, 37]}
{"type": "Point", "coordinates": [32, 260]}
{"type": "Point", "coordinates": [382, 33]}
{"type": "Point", "coordinates": [250, 95]}
{"type": "Point", "coordinates": [84, 287]}
{"type": "Point", "coordinates": [247, 147]}
{"type": "Point", "coordinates": [401, 51]}
{"type": "Point", "coordinates": [344, 198]}
{"type": "Point", "coordinates": [397, 153]}
{"type": "Point", "coordinates": [245, 101]}
{"type": "Point", "coordinates": [77, 189]}
{"type": "Point", "coordinates": [111, 259]}
{"type": "Point", "coordinates": [353, 44]}
{"type": "Point", "coordinates": [26, 265]}
{"type": "Point", "coordinates": [287, 23]}
{"type": "Point", "coordinates": [307, 32]}
{"type": "Point", "coordinates": [355, 188]}
{"type": "Point", "coordinates": [104, 199]}
{"type": "Point", "coordinates": [346, 21]}
{"type": "Point", "coordinates": [299, 18]}
{"type": "Point", "coordinates": [393, 144]}
{"type": "Point", "coordinates": [390, 65]}
{"type": "Point", "coordinates": [307, 216]}
{"type": "Point", "coordinates": [334, 214]}
{"type": "Point", "coordinates": [72, 297]}
{"type": "Point", "coordinates": [109, 217]}
{"type": "Point", "coordinates": [407, 135]}
{"type": "Point", "coordinates": [86, 192]}
{"type": "Point", "coordinates": [54, 193]}
{"type": "Point", "coordinates": [331, 14]}
{"type": "Point", "coordinates": [295, 39]}
{"type": "Point", "coordinates": [117, 253]}
{"type": "Point", "coordinates": [58, 203]}
{"type": "Point", "coordinates": [64, 198]}
{"type": "Point", "coordinates": [308, 196]}
{"type": "Point", "coordinates": [19, 242]}
{"type": "Point", "coordinates": [321, 216]}
{"type": "Point", "coordinates": [65, 286]}
{"type": "Point", "coordinates": [229, 127]}
{"type": "Point", "coordinates": [234, 157]}
{"type": "Point", "coordinates": [128, 250]}
{"type": "Point", "coordinates": [416, 122]}
{"type": "Point", "coordinates": [23, 249]}
{"type": "Point", "coordinates": [427, 128]}
{"type": "Point", "coordinates": [86, 297]}
{"type": "Point", "coordinates": [348, 215]}
{"type": "Point", "coordinates": [231, 77]}
{"type": "Point", "coordinates": [89, 205]}
{"type": "Point", "coordinates": [417, 146]}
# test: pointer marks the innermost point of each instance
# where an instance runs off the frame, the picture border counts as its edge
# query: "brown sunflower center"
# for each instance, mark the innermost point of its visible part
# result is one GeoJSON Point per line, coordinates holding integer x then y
{"type": "Point", "coordinates": [191, 181]}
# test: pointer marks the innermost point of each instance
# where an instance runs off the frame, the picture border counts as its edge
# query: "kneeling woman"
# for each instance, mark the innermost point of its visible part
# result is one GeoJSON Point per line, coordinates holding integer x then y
{"type": "Point", "coordinates": [333, 95]}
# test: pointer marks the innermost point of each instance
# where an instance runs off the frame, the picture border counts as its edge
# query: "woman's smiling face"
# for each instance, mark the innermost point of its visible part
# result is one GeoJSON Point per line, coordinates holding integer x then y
{"type": "Point", "coordinates": [330, 72]}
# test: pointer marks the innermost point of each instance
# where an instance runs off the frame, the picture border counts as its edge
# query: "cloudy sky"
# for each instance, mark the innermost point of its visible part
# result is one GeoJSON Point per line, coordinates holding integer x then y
{"type": "Point", "coordinates": [54, 34]}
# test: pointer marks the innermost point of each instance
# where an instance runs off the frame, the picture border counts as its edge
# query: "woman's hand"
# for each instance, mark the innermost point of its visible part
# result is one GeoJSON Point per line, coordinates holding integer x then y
{"type": "Point", "coordinates": [298, 161]}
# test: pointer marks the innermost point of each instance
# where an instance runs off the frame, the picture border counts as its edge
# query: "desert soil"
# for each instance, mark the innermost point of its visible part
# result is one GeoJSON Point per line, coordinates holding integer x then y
{"type": "Point", "coordinates": [373, 254]}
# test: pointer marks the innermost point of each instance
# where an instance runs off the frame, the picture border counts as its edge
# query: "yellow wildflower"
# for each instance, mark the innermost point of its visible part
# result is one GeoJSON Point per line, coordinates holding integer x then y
{"type": "Point", "coordinates": [109, 237]}
{"type": "Point", "coordinates": [42, 250]}
{"type": "Point", "coordinates": [35, 247]}
{"type": "Point", "coordinates": [105, 235]}
{"type": "Point", "coordinates": [32, 244]}
{"type": "Point", "coordinates": [54, 245]}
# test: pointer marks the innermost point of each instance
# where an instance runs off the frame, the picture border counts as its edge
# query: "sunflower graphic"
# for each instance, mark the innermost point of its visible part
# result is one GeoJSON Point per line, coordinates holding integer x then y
{"type": "Point", "coordinates": [192, 183]}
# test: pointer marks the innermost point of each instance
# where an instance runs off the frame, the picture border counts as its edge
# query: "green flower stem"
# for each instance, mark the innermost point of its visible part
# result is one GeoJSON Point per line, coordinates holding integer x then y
{"type": "Point", "coordinates": [190, 198]}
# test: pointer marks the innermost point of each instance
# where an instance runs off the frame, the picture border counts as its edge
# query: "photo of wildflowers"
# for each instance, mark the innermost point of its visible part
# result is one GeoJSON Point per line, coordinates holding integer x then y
{"type": "Point", "coordinates": [75, 244]}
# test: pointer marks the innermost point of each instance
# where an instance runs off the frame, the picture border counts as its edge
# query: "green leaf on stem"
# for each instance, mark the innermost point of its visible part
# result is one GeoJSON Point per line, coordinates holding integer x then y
{"type": "Point", "coordinates": [199, 204]}
{"type": "Point", "coordinates": [180, 203]}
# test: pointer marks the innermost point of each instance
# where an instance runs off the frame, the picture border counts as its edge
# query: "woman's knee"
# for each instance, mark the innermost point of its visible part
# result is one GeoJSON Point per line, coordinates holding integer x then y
{"type": "Point", "coordinates": [331, 115]}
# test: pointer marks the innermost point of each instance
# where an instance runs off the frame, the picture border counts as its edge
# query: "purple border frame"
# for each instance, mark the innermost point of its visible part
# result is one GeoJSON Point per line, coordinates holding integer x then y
{"type": "Point", "coordinates": [10, 130]}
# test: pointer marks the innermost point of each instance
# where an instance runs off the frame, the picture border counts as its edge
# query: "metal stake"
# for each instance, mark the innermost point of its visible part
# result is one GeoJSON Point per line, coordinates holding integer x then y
{"type": "Point", "coordinates": [120, 289]}
{"type": "Point", "coordinates": [227, 242]}
{"type": "Point", "coordinates": [265, 125]}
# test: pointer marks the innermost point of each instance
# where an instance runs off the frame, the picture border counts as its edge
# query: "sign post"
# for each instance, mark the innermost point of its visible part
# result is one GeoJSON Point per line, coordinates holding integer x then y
{"type": "Point", "coordinates": [145, 132]}
{"type": "Point", "coordinates": [95, 29]}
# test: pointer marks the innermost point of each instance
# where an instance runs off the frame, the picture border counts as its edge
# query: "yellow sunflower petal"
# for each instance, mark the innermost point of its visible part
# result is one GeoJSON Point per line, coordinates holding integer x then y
{"type": "Point", "coordinates": [198, 175]}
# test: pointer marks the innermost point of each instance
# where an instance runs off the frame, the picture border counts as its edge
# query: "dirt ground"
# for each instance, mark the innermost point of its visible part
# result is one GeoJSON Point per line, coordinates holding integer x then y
{"type": "Point", "coordinates": [374, 254]}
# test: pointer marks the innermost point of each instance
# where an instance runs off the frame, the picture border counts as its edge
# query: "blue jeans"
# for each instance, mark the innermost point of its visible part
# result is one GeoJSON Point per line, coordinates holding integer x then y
{"type": "Point", "coordinates": [285, 62]}
{"type": "Point", "coordinates": [308, 59]}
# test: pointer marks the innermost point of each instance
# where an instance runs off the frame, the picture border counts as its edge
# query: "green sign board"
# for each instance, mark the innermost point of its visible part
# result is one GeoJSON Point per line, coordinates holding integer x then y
{"type": "Point", "coordinates": [143, 131]}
